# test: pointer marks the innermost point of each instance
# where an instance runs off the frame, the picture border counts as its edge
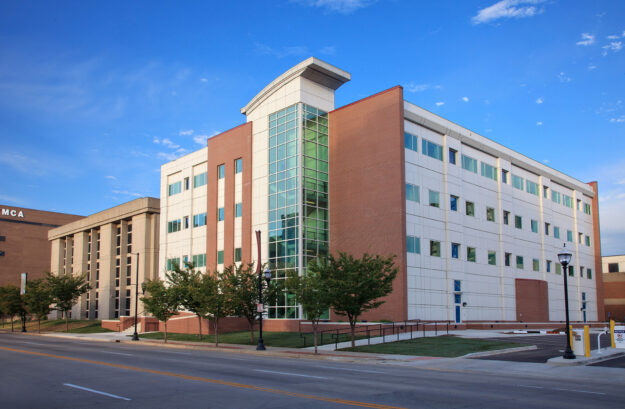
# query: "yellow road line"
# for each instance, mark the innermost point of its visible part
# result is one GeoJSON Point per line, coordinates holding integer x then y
{"type": "Point", "coordinates": [208, 380]}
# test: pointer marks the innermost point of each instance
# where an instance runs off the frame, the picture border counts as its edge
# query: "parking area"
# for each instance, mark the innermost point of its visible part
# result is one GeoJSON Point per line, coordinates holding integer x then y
{"type": "Point", "coordinates": [548, 346]}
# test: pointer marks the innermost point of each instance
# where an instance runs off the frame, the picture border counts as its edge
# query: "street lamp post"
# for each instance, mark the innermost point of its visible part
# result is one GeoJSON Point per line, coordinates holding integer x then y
{"type": "Point", "coordinates": [135, 336]}
{"type": "Point", "coordinates": [267, 276]}
{"type": "Point", "coordinates": [564, 257]}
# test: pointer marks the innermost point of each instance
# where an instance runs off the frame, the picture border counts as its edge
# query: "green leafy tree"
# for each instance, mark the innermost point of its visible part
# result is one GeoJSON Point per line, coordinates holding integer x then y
{"type": "Point", "coordinates": [12, 303]}
{"type": "Point", "coordinates": [65, 290]}
{"type": "Point", "coordinates": [193, 298]}
{"type": "Point", "coordinates": [219, 299]}
{"type": "Point", "coordinates": [243, 285]}
{"type": "Point", "coordinates": [311, 292]}
{"type": "Point", "coordinates": [162, 302]}
{"type": "Point", "coordinates": [356, 285]}
{"type": "Point", "coordinates": [38, 299]}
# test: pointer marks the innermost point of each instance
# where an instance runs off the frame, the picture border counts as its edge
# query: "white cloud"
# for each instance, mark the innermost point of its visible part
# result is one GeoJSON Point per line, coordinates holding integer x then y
{"type": "Point", "coordinates": [592, 67]}
{"type": "Point", "coordinates": [508, 9]}
{"type": "Point", "coordinates": [539, 101]}
{"type": "Point", "coordinates": [563, 78]}
{"type": "Point", "coordinates": [169, 143]}
{"type": "Point", "coordinates": [539, 123]}
{"type": "Point", "coordinates": [127, 193]}
{"type": "Point", "coordinates": [111, 177]}
{"type": "Point", "coordinates": [438, 104]}
{"type": "Point", "coordinates": [465, 99]}
{"type": "Point", "coordinates": [186, 132]}
{"type": "Point", "coordinates": [156, 140]}
{"type": "Point", "coordinates": [337, 6]}
{"type": "Point", "coordinates": [613, 46]}
{"type": "Point", "coordinates": [203, 80]}
{"type": "Point", "coordinates": [11, 199]}
{"type": "Point", "coordinates": [620, 119]}
{"type": "Point", "coordinates": [613, 37]}
{"type": "Point", "coordinates": [281, 52]}
{"type": "Point", "coordinates": [587, 39]}
{"type": "Point", "coordinates": [328, 50]}
{"type": "Point", "coordinates": [201, 139]}
{"type": "Point", "coordinates": [412, 87]}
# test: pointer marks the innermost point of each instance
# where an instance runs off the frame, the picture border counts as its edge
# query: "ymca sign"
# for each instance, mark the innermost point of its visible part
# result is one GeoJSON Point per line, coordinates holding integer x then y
{"type": "Point", "coordinates": [12, 212]}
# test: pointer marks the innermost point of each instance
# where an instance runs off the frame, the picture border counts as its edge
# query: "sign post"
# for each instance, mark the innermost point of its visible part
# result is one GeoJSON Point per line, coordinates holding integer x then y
{"type": "Point", "coordinates": [24, 277]}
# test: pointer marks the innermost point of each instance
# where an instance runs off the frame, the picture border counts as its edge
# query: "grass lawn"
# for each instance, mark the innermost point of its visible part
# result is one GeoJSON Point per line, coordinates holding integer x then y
{"type": "Point", "coordinates": [272, 339]}
{"type": "Point", "coordinates": [75, 326]}
{"type": "Point", "coordinates": [442, 346]}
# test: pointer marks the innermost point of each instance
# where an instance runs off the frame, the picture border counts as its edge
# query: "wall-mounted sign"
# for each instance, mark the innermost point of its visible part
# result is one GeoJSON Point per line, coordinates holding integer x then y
{"type": "Point", "coordinates": [12, 212]}
{"type": "Point", "coordinates": [24, 278]}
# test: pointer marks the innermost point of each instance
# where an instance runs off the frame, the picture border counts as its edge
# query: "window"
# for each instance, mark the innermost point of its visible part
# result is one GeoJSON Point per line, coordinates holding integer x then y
{"type": "Point", "coordinates": [518, 222]}
{"type": "Point", "coordinates": [186, 183]}
{"type": "Point", "coordinates": [199, 260]}
{"type": "Point", "coordinates": [471, 254]}
{"type": "Point", "coordinates": [468, 163]}
{"type": "Point", "coordinates": [435, 248]}
{"type": "Point", "coordinates": [452, 156]}
{"type": "Point", "coordinates": [580, 238]}
{"type": "Point", "coordinates": [569, 236]}
{"type": "Point", "coordinates": [237, 254]}
{"type": "Point", "coordinates": [434, 199]}
{"type": "Point", "coordinates": [517, 182]}
{"type": "Point", "coordinates": [221, 171]}
{"type": "Point", "coordinates": [3, 238]}
{"type": "Point", "coordinates": [579, 205]}
{"type": "Point", "coordinates": [199, 180]}
{"type": "Point", "coordinates": [238, 165]}
{"type": "Point", "coordinates": [412, 193]}
{"type": "Point", "coordinates": [410, 142]}
{"type": "Point", "coordinates": [489, 171]}
{"type": "Point", "coordinates": [547, 225]}
{"type": "Point", "coordinates": [589, 273]}
{"type": "Point", "coordinates": [431, 149]}
{"type": "Point", "coordinates": [455, 250]}
{"type": "Point", "coordinates": [220, 257]}
{"type": "Point", "coordinates": [175, 188]}
{"type": "Point", "coordinates": [185, 222]}
{"type": "Point", "coordinates": [613, 267]}
{"type": "Point", "coordinates": [581, 271]}
{"type": "Point", "coordinates": [490, 214]}
{"type": "Point", "coordinates": [238, 209]}
{"type": "Point", "coordinates": [571, 271]}
{"type": "Point", "coordinates": [507, 257]}
{"type": "Point", "coordinates": [199, 220]}
{"type": "Point", "coordinates": [506, 217]}
{"type": "Point", "coordinates": [535, 264]}
{"type": "Point", "coordinates": [567, 201]}
{"type": "Point", "coordinates": [534, 225]}
{"type": "Point", "coordinates": [545, 192]}
{"type": "Point", "coordinates": [531, 187]}
{"type": "Point", "coordinates": [172, 262]}
{"type": "Point", "coordinates": [173, 226]}
{"type": "Point", "coordinates": [548, 265]}
{"type": "Point", "coordinates": [470, 209]}
{"type": "Point", "coordinates": [504, 176]}
{"type": "Point", "coordinates": [519, 262]}
{"type": "Point", "coordinates": [558, 268]}
{"type": "Point", "coordinates": [556, 232]}
{"type": "Point", "coordinates": [1, 253]}
{"type": "Point", "coordinates": [220, 214]}
{"type": "Point", "coordinates": [457, 286]}
{"type": "Point", "coordinates": [413, 244]}
{"type": "Point", "coordinates": [555, 197]}
{"type": "Point", "coordinates": [587, 208]}
{"type": "Point", "coordinates": [492, 258]}
{"type": "Point", "coordinates": [453, 203]}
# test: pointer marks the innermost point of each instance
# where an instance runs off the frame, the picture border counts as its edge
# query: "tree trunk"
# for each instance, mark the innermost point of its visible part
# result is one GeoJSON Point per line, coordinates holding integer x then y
{"type": "Point", "coordinates": [216, 332]}
{"type": "Point", "coordinates": [352, 324]}
{"type": "Point", "coordinates": [39, 325]}
{"type": "Point", "coordinates": [251, 324]}
{"type": "Point", "coordinates": [199, 321]}
{"type": "Point", "coordinates": [66, 321]}
{"type": "Point", "coordinates": [315, 335]}
{"type": "Point", "coordinates": [165, 331]}
{"type": "Point", "coordinates": [12, 317]}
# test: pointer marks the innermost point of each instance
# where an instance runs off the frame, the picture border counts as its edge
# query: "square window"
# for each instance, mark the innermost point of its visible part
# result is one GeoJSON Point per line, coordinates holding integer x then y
{"type": "Point", "coordinates": [589, 273]}
{"type": "Point", "coordinates": [413, 244]}
{"type": "Point", "coordinates": [470, 209]}
{"type": "Point", "coordinates": [457, 285]}
{"type": "Point", "coordinates": [220, 257]}
{"type": "Point", "coordinates": [558, 268]}
{"type": "Point", "coordinates": [556, 232]}
{"type": "Point", "coordinates": [504, 176]}
{"type": "Point", "coordinates": [237, 255]}
{"type": "Point", "coordinates": [588, 241]}
{"type": "Point", "coordinates": [506, 217]}
{"type": "Point", "coordinates": [569, 236]}
{"type": "Point", "coordinates": [613, 268]}
{"type": "Point", "coordinates": [518, 222]}
{"type": "Point", "coordinates": [534, 225]}
{"type": "Point", "coordinates": [434, 199]}
{"type": "Point", "coordinates": [492, 258]}
{"type": "Point", "coordinates": [471, 254]}
{"type": "Point", "coordinates": [548, 265]}
{"type": "Point", "coordinates": [490, 214]}
{"type": "Point", "coordinates": [452, 156]}
{"type": "Point", "coordinates": [571, 271]}
{"type": "Point", "coordinates": [455, 250]}
{"type": "Point", "coordinates": [453, 203]}
{"type": "Point", "coordinates": [221, 171]}
{"type": "Point", "coordinates": [238, 165]}
{"type": "Point", "coordinates": [507, 257]}
{"type": "Point", "coordinates": [519, 262]}
{"type": "Point", "coordinates": [435, 248]}
{"type": "Point", "coordinates": [535, 264]}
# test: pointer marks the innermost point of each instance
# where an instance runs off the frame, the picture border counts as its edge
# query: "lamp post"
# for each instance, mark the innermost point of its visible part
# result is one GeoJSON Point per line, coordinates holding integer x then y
{"type": "Point", "coordinates": [267, 276]}
{"type": "Point", "coordinates": [564, 257]}
{"type": "Point", "coordinates": [135, 336]}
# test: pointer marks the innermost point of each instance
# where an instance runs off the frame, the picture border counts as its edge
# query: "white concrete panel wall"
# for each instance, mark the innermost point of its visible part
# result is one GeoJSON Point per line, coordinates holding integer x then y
{"type": "Point", "coordinates": [488, 290]}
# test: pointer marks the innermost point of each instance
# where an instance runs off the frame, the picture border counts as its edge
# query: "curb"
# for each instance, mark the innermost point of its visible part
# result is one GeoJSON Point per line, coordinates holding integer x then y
{"type": "Point", "coordinates": [583, 361]}
{"type": "Point", "coordinates": [499, 351]}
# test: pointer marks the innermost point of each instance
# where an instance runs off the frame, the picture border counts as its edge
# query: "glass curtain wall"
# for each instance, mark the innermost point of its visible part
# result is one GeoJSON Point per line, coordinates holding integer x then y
{"type": "Point", "coordinates": [298, 195]}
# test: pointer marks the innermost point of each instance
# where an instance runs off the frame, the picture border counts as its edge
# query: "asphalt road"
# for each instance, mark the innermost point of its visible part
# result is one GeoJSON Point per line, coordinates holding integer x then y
{"type": "Point", "coordinates": [43, 372]}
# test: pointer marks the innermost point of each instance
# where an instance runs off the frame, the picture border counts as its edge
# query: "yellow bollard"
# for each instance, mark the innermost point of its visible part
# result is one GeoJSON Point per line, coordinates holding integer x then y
{"type": "Point", "coordinates": [571, 336]}
{"type": "Point", "coordinates": [587, 341]}
{"type": "Point", "coordinates": [612, 333]}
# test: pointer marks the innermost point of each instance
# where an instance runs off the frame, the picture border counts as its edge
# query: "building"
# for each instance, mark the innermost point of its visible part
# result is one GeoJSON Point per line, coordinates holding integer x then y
{"type": "Point", "coordinates": [614, 287]}
{"type": "Point", "coordinates": [104, 246]}
{"type": "Point", "coordinates": [475, 226]}
{"type": "Point", "coordinates": [24, 244]}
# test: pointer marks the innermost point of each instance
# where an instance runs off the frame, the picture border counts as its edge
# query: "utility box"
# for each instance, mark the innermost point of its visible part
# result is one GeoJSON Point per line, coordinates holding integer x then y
{"type": "Point", "coordinates": [578, 343]}
{"type": "Point", "coordinates": [619, 336]}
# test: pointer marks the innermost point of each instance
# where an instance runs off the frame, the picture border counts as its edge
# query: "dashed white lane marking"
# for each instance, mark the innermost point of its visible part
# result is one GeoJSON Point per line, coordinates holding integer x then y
{"type": "Point", "coordinates": [348, 369]}
{"type": "Point", "coordinates": [530, 386]}
{"type": "Point", "coordinates": [290, 374]}
{"type": "Point", "coordinates": [561, 389]}
{"type": "Point", "coordinates": [110, 395]}
{"type": "Point", "coordinates": [115, 353]}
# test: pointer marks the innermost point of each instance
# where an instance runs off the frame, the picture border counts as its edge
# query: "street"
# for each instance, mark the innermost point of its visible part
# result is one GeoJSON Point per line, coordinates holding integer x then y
{"type": "Point", "coordinates": [40, 372]}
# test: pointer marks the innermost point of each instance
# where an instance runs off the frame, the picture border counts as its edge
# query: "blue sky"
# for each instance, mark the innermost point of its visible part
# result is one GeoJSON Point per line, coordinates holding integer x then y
{"type": "Point", "coordinates": [95, 96]}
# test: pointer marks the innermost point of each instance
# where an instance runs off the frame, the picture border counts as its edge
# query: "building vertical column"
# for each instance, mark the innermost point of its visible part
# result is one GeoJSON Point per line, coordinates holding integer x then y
{"type": "Point", "coordinates": [107, 271]}
{"type": "Point", "coordinates": [56, 258]}
{"type": "Point", "coordinates": [143, 227]}
{"type": "Point", "coordinates": [80, 267]}
{"type": "Point", "coordinates": [596, 243]}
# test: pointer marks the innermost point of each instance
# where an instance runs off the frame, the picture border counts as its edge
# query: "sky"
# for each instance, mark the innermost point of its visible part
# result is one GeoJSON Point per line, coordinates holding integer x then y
{"type": "Point", "coordinates": [96, 96]}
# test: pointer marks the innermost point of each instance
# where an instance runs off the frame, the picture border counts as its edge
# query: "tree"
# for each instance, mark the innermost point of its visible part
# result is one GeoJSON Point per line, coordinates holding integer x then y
{"type": "Point", "coordinates": [162, 302]}
{"type": "Point", "coordinates": [311, 292]}
{"type": "Point", "coordinates": [65, 290]}
{"type": "Point", "coordinates": [12, 303]}
{"type": "Point", "coordinates": [356, 285]}
{"type": "Point", "coordinates": [242, 284]}
{"type": "Point", "coordinates": [219, 299]}
{"type": "Point", "coordinates": [193, 298]}
{"type": "Point", "coordinates": [38, 299]}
